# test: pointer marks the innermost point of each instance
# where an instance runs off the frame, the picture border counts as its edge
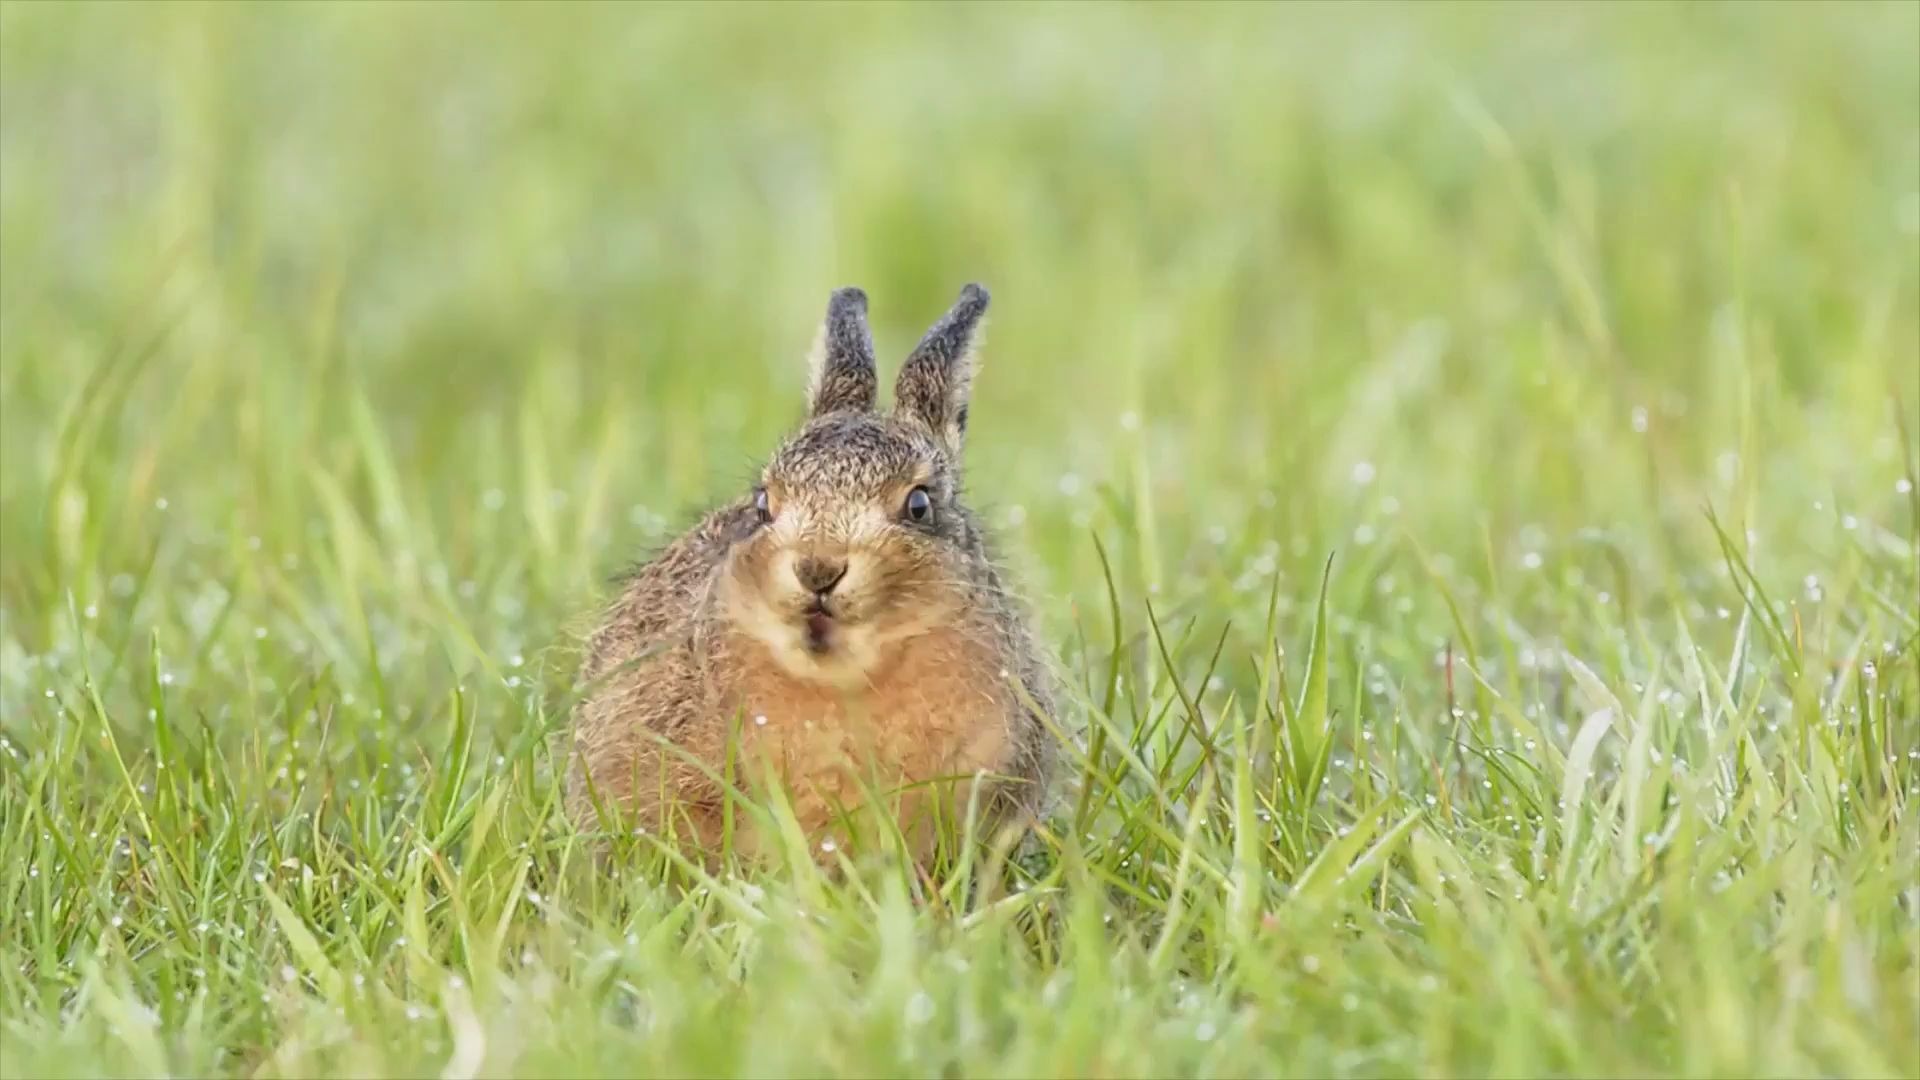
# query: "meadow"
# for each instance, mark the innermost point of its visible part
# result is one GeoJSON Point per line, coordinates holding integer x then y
{"type": "Point", "coordinates": [1463, 459]}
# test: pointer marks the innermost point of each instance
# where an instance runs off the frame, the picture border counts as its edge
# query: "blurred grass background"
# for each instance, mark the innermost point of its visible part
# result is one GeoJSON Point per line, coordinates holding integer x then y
{"type": "Point", "coordinates": [346, 350]}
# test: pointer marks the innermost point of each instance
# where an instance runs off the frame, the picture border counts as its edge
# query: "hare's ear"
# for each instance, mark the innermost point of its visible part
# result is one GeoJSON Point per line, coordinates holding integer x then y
{"type": "Point", "coordinates": [843, 375]}
{"type": "Point", "coordinates": [938, 376]}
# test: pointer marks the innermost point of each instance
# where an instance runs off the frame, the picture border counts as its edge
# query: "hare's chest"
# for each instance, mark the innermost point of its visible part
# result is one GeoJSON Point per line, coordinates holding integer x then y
{"type": "Point", "coordinates": [930, 716]}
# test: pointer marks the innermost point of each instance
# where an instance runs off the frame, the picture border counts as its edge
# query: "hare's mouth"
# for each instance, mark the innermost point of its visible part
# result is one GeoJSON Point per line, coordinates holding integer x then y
{"type": "Point", "coordinates": [823, 641]}
{"type": "Point", "coordinates": [820, 625]}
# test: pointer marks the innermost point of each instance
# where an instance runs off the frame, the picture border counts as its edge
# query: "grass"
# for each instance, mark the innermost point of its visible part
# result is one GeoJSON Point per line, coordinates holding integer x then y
{"type": "Point", "coordinates": [346, 352]}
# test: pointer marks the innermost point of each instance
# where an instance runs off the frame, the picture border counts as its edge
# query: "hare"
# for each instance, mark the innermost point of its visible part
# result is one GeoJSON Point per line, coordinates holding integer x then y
{"type": "Point", "coordinates": [841, 630]}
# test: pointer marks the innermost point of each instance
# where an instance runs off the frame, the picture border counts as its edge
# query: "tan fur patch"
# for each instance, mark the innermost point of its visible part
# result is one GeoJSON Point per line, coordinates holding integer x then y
{"type": "Point", "coordinates": [923, 730]}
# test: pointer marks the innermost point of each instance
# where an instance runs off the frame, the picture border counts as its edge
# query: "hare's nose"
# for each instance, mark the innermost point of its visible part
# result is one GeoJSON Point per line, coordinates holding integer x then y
{"type": "Point", "coordinates": [819, 575]}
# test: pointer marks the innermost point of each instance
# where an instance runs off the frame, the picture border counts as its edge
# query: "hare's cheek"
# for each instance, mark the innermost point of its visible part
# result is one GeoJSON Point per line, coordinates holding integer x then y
{"type": "Point", "coordinates": [752, 558]}
{"type": "Point", "coordinates": [746, 573]}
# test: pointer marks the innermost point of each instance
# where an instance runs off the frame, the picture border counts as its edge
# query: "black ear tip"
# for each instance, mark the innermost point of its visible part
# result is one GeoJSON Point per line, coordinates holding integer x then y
{"type": "Point", "coordinates": [850, 299]}
{"type": "Point", "coordinates": [975, 294]}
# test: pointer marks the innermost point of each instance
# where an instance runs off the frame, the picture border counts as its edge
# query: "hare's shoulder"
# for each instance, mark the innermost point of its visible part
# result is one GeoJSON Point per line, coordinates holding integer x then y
{"type": "Point", "coordinates": [658, 596]}
{"type": "Point", "coordinates": [690, 558]}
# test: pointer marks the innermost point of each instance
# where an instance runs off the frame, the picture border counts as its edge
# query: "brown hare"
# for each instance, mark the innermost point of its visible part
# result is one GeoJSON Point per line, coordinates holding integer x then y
{"type": "Point", "coordinates": [841, 630]}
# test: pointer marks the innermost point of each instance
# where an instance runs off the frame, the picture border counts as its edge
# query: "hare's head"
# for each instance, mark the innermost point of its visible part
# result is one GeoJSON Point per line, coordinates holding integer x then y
{"type": "Point", "coordinates": [862, 541]}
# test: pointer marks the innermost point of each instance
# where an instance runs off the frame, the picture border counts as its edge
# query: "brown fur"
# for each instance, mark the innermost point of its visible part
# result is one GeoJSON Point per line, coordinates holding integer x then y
{"type": "Point", "coordinates": [929, 678]}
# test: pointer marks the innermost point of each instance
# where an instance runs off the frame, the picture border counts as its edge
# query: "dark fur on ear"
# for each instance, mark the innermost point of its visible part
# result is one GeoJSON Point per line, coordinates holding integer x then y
{"type": "Point", "coordinates": [938, 376]}
{"type": "Point", "coordinates": [843, 373]}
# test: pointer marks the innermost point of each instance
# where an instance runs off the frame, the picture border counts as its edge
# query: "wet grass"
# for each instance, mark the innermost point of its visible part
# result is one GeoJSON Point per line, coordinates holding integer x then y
{"type": "Point", "coordinates": [345, 353]}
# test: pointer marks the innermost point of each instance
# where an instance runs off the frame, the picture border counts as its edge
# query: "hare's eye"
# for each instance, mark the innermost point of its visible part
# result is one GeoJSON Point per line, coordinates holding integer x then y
{"type": "Point", "coordinates": [919, 508]}
{"type": "Point", "coordinates": [762, 506]}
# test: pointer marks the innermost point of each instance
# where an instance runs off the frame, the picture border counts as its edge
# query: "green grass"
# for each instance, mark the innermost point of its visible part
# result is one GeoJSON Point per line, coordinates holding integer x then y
{"type": "Point", "coordinates": [346, 352]}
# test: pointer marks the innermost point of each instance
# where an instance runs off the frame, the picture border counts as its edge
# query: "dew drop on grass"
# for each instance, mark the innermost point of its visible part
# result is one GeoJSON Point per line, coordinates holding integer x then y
{"type": "Point", "coordinates": [1204, 1032]}
{"type": "Point", "coordinates": [1363, 473]}
{"type": "Point", "coordinates": [919, 1008]}
{"type": "Point", "coordinates": [1903, 486]}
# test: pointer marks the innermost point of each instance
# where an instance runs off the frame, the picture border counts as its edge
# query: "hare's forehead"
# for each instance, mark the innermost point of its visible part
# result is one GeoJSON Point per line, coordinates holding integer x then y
{"type": "Point", "coordinates": [851, 454]}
